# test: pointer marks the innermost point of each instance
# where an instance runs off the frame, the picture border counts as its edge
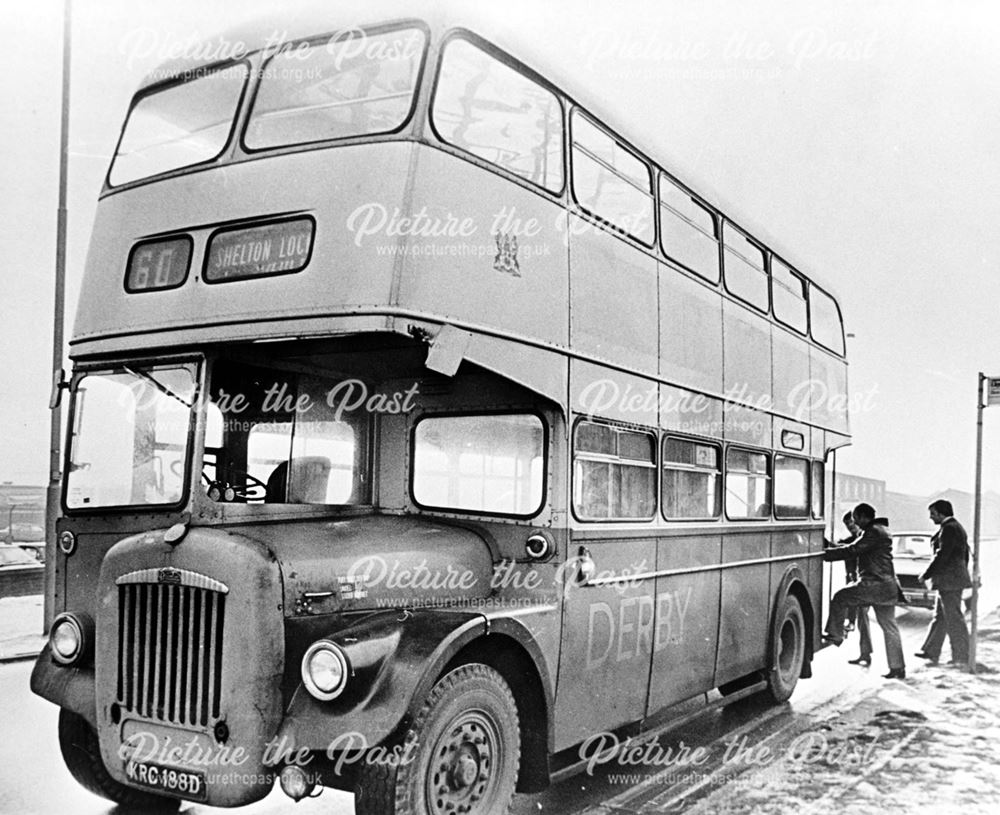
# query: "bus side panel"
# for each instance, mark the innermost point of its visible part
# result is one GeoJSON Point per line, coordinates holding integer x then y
{"type": "Point", "coordinates": [690, 331]}
{"type": "Point", "coordinates": [747, 357]}
{"type": "Point", "coordinates": [788, 543]}
{"type": "Point", "coordinates": [746, 605]}
{"type": "Point", "coordinates": [816, 575]}
{"type": "Point", "coordinates": [609, 394]}
{"type": "Point", "coordinates": [792, 387]}
{"type": "Point", "coordinates": [828, 377]}
{"type": "Point", "coordinates": [503, 264]}
{"type": "Point", "coordinates": [685, 631]}
{"type": "Point", "coordinates": [687, 412]}
{"type": "Point", "coordinates": [612, 284]}
{"type": "Point", "coordinates": [607, 639]}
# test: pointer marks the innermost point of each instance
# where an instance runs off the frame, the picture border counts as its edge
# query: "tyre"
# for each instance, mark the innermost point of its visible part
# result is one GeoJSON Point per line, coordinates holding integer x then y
{"type": "Point", "coordinates": [460, 755]}
{"type": "Point", "coordinates": [82, 754]}
{"type": "Point", "coordinates": [788, 649]}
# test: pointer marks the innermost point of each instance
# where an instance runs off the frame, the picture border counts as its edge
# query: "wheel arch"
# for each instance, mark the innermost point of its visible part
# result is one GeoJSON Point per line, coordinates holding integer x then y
{"type": "Point", "coordinates": [405, 655]}
{"type": "Point", "coordinates": [509, 657]}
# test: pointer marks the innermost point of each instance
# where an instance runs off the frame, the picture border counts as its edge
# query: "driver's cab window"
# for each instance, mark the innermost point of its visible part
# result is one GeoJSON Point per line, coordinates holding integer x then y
{"type": "Point", "coordinates": [272, 437]}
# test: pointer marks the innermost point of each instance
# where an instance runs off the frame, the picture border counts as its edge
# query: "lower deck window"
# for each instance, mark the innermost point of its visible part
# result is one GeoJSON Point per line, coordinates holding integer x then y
{"type": "Point", "coordinates": [816, 493]}
{"type": "Point", "coordinates": [690, 480]}
{"type": "Point", "coordinates": [614, 473]}
{"type": "Point", "coordinates": [748, 484]}
{"type": "Point", "coordinates": [791, 487]}
{"type": "Point", "coordinates": [492, 464]}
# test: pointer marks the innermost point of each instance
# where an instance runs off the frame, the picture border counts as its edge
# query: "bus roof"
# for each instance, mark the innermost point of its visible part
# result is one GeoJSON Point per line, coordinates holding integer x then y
{"type": "Point", "coordinates": [314, 18]}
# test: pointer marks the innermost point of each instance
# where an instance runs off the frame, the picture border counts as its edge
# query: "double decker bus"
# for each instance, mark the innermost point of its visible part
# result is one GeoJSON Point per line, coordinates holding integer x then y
{"type": "Point", "coordinates": [422, 428]}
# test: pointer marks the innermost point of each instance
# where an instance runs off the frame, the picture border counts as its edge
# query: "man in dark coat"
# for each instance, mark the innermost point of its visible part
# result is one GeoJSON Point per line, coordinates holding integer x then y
{"type": "Point", "coordinates": [876, 587]}
{"type": "Point", "coordinates": [949, 575]}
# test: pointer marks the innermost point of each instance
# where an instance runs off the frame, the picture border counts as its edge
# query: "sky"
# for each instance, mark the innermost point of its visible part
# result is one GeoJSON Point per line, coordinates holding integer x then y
{"type": "Point", "coordinates": [861, 139]}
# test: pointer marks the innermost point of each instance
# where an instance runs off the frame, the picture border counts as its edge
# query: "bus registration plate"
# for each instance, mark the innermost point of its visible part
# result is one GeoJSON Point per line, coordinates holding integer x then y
{"type": "Point", "coordinates": [167, 779]}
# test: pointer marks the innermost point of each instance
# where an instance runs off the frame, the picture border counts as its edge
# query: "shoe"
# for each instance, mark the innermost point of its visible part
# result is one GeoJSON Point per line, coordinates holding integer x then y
{"type": "Point", "coordinates": [848, 628]}
{"type": "Point", "coordinates": [832, 640]}
{"type": "Point", "coordinates": [895, 673]}
{"type": "Point", "coordinates": [866, 661]}
{"type": "Point", "coordinates": [960, 662]}
{"type": "Point", "coordinates": [928, 657]}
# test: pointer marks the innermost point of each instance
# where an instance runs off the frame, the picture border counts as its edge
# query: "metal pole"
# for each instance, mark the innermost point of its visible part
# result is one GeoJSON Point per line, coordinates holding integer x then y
{"type": "Point", "coordinates": [55, 423]}
{"type": "Point", "coordinates": [10, 523]}
{"type": "Point", "coordinates": [976, 515]}
{"type": "Point", "coordinates": [833, 530]}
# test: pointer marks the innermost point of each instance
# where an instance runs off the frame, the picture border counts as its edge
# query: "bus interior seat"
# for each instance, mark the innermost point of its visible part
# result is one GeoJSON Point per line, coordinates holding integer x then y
{"type": "Point", "coordinates": [310, 478]}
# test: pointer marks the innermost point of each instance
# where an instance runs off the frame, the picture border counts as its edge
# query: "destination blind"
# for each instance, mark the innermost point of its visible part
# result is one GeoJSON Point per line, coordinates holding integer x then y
{"type": "Point", "coordinates": [276, 248]}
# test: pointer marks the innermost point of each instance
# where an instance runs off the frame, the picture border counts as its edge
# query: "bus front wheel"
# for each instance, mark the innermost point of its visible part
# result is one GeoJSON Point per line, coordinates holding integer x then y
{"type": "Point", "coordinates": [82, 754]}
{"type": "Point", "coordinates": [788, 649]}
{"type": "Point", "coordinates": [461, 754]}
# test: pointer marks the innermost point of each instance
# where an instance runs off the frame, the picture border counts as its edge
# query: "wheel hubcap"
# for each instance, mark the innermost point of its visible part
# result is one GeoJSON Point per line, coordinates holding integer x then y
{"type": "Point", "coordinates": [788, 649]}
{"type": "Point", "coordinates": [465, 770]}
{"type": "Point", "coordinates": [462, 777]}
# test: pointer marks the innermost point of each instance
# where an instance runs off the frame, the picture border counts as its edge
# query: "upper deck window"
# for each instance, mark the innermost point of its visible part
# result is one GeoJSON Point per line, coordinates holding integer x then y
{"type": "Point", "coordinates": [788, 293]}
{"type": "Point", "coordinates": [745, 274]}
{"type": "Point", "coordinates": [491, 110]}
{"type": "Point", "coordinates": [336, 89]}
{"type": "Point", "coordinates": [184, 124]}
{"type": "Point", "coordinates": [611, 182]}
{"type": "Point", "coordinates": [687, 231]}
{"type": "Point", "coordinates": [827, 328]}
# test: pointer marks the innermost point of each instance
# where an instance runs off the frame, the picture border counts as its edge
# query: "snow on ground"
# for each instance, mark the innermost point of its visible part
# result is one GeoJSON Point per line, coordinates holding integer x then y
{"type": "Point", "coordinates": [926, 744]}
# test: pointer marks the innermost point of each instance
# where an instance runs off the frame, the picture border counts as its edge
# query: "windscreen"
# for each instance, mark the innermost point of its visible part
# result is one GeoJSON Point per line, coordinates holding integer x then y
{"type": "Point", "coordinates": [130, 436]}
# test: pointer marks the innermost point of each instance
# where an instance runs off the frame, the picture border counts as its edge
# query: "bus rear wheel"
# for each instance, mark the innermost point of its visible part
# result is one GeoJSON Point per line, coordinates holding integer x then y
{"type": "Point", "coordinates": [82, 754]}
{"type": "Point", "coordinates": [788, 649]}
{"type": "Point", "coordinates": [460, 755]}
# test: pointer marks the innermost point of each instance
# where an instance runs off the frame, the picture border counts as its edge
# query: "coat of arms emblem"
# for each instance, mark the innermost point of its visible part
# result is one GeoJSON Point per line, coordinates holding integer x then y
{"type": "Point", "coordinates": [506, 258]}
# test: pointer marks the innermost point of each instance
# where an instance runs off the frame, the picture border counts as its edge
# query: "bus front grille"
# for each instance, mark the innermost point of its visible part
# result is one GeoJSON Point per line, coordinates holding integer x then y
{"type": "Point", "coordinates": [170, 652]}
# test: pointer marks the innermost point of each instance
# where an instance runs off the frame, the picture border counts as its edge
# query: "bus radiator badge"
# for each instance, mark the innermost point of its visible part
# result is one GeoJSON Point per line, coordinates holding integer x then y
{"type": "Point", "coordinates": [171, 576]}
{"type": "Point", "coordinates": [506, 259]}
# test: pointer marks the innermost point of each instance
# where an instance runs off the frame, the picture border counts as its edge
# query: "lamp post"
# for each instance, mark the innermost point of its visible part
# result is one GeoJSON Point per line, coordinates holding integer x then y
{"type": "Point", "coordinates": [55, 419]}
{"type": "Point", "coordinates": [985, 397]}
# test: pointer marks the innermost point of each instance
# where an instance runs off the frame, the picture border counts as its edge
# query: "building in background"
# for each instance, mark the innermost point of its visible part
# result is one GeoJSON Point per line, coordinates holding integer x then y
{"type": "Point", "coordinates": [908, 513]}
{"type": "Point", "coordinates": [22, 513]}
{"type": "Point", "coordinates": [852, 490]}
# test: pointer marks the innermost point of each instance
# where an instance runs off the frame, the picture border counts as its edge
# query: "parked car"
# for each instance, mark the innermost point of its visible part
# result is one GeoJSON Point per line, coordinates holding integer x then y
{"type": "Point", "coordinates": [15, 556]}
{"type": "Point", "coordinates": [22, 532]}
{"type": "Point", "coordinates": [20, 573]}
{"type": "Point", "coordinates": [36, 550]}
{"type": "Point", "coordinates": [911, 555]}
